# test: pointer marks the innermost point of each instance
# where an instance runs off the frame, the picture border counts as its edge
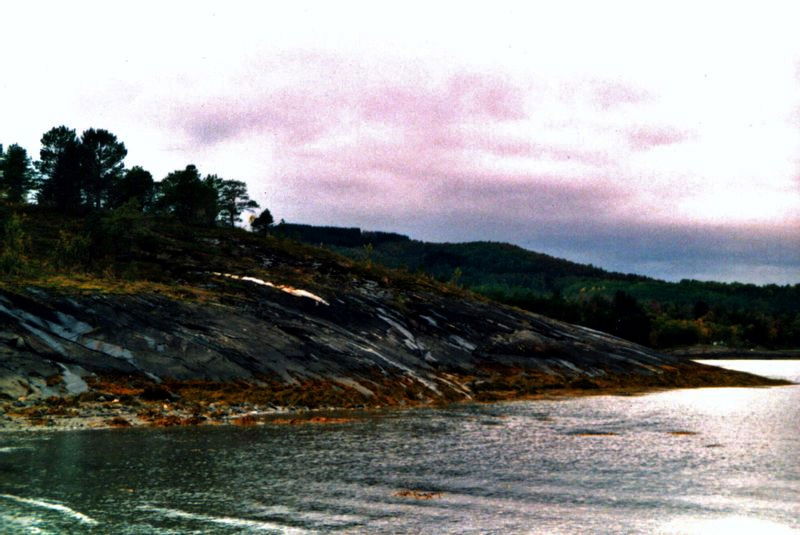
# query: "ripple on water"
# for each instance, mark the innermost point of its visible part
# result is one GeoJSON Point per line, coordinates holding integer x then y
{"type": "Point", "coordinates": [53, 506]}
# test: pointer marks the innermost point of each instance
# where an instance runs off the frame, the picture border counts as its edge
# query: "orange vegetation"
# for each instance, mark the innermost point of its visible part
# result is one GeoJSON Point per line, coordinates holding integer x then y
{"type": "Point", "coordinates": [314, 420]}
{"type": "Point", "coordinates": [118, 421]}
{"type": "Point", "coordinates": [417, 494]}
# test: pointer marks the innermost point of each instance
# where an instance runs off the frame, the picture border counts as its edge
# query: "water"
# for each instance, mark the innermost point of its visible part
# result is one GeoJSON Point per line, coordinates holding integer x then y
{"type": "Point", "coordinates": [590, 465]}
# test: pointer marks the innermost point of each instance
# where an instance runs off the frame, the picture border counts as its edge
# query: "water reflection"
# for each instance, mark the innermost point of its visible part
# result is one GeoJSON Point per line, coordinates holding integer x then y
{"type": "Point", "coordinates": [778, 369]}
{"type": "Point", "coordinates": [729, 525]}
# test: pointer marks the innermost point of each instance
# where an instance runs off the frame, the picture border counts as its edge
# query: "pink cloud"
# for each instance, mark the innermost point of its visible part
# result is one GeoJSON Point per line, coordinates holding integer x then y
{"type": "Point", "coordinates": [461, 195]}
{"type": "Point", "coordinates": [645, 138]}
{"type": "Point", "coordinates": [297, 117]}
{"type": "Point", "coordinates": [609, 95]}
{"type": "Point", "coordinates": [315, 104]}
{"type": "Point", "coordinates": [462, 98]}
{"type": "Point", "coordinates": [514, 146]}
{"type": "Point", "coordinates": [487, 97]}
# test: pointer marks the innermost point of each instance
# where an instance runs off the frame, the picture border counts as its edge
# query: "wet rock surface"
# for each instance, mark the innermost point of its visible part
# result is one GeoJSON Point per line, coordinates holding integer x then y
{"type": "Point", "coordinates": [350, 342]}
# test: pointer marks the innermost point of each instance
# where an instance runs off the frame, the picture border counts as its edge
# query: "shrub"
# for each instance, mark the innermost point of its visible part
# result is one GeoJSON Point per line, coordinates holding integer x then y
{"type": "Point", "coordinates": [72, 250]}
{"type": "Point", "coordinates": [14, 245]}
{"type": "Point", "coordinates": [118, 230]}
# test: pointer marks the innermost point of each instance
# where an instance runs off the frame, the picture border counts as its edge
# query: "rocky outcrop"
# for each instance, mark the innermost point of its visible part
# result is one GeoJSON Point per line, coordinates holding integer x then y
{"type": "Point", "coordinates": [357, 342]}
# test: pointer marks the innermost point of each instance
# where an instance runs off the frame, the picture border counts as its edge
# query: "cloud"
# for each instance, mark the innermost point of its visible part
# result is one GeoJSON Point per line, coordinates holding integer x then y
{"type": "Point", "coordinates": [645, 138]}
{"type": "Point", "coordinates": [608, 95]}
{"type": "Point", "coordinates": [303, 108]}
{"type": "Point", "coordinates": [409, 127]}
{"type": "Point", "coordinates": [463, 97]}
{"type": "Point", "coordinates": [294, 115]}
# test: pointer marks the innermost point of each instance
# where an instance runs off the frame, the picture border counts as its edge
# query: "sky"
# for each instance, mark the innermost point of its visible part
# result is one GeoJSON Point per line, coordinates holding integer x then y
{"type": "Point", "coordinates": [654, 138]}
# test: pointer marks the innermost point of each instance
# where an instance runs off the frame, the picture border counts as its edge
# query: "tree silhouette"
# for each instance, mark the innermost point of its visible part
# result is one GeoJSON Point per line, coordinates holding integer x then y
{"type": "Point", "coordinates": [189, 198]}
{"type": "Point", "coordinates": [60, 168]}
{"type": "Point", "coordinates": [135, 185]}
{"type": "Point", "coordinates": [16, 174]}
{"type": "Point", "coordinates": [263, 222]}
{"type": "Point", "coordinates": [54, 143]}
{"type": "Point", "coordinates": [79, 172]}
{"type": "Point", "coordinates": [630, 318]}
{"type": "Point", "coordinates": [233, 200]}
{"type": "Point", "coordinates": [102, 165]}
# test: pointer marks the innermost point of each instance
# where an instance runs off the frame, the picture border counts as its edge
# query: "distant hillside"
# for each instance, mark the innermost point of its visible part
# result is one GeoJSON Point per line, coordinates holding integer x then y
{"type": "Point", "coordinates": [479, 263]}
{"type": "Point", "coordinates": [645, 310]}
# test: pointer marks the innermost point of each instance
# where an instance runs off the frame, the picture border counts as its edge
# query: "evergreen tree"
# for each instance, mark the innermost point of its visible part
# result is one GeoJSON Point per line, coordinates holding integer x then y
{"type": "Point", "coordinates": [59, 167]}
{"type": "Point", "coordinates": [54, 143]}
{"type": "Point", "coordinates": [137, 185]}
{"type": "Point", "coordinates": [189, 198]}
{"type": "Point", "coordinates": [233, 200]}
{"type": "Point", "coordinates": [630, 318]}
{"type": "Point", "coordinates": [64, 189]}
{"type": "Point", "coordinates": [102, 165]}
{"type": "Point", "coordinates": [16, 174]}
{"type": "Point", "coordinates": [263, 222]}
{"type": "Point", "coordinates": [79, 172]}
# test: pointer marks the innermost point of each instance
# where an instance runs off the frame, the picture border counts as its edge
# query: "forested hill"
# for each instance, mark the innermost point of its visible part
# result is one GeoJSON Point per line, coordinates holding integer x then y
{"type": "Point", "coordinates": [472, 263]}
{"type": "Point", "coordinates": [649, 311]}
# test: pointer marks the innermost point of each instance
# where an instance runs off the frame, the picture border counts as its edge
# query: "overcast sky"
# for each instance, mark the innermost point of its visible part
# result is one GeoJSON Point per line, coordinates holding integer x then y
{"type": "Point", "coordinates": [661, 139]}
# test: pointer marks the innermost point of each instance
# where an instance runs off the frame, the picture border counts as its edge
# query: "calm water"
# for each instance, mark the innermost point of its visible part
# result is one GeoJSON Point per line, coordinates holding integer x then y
{"type": "Point", "coordinates": [527, 467]}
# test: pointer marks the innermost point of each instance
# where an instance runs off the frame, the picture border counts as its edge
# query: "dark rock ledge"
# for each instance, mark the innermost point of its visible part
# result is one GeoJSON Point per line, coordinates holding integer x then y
{"type": "Point", "coordinates": [104, 359]}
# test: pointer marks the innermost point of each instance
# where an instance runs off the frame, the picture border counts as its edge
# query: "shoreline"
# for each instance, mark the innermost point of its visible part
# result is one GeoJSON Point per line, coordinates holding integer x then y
{"type": "Point", "coordinates": [71, 414]}
{"type": "Point", "coordinates": [712, 353]}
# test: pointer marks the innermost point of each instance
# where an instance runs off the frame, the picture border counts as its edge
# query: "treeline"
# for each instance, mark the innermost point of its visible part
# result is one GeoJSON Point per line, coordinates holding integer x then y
{"type": "Point", "coordinates": [86, 173]}
{"type": "Point", "coordinates": [336, 236]}
{"type": "Point", "coordinates": [662, 324]}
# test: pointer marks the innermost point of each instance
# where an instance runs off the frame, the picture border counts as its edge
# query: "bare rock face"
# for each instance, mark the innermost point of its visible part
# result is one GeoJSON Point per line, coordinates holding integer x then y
{"type": "Point", "coordinates": [372, 341]}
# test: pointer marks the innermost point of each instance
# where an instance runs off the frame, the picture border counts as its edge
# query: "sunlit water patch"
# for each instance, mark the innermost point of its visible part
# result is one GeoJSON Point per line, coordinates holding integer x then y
{"type": "Point", "coordinates": [779, 369]}
{"type": "Point", "coordinates": [716, 460]}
